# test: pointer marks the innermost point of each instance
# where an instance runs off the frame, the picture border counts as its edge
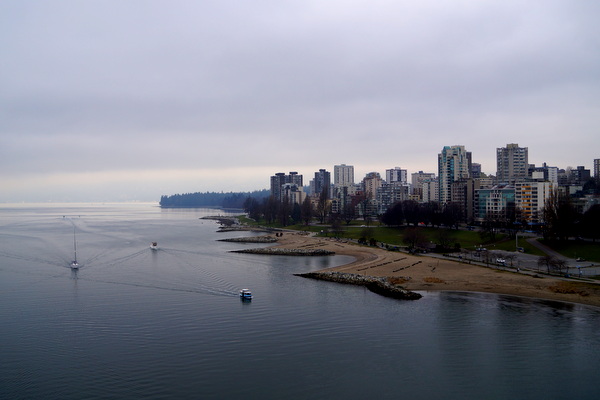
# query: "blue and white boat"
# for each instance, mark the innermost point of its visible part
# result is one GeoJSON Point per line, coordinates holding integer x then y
{"type": "Point", "coordinates": [245, 294]}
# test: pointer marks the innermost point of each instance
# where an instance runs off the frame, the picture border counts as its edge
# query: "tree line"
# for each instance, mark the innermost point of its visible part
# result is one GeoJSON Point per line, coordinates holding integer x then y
{"type": "Point", "coordinates": [211, 199]}
{"type": "Point", "coordinates": [562, 220]}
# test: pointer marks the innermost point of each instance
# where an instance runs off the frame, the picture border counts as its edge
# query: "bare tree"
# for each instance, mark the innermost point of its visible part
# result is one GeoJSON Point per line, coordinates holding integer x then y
{"type": "Point", "coordinates": [560, 216]}
{"type": "Point", "coordinates": [445, 238]}
{"type": "Point", "coordinates": [323, 206]}
{"type": "Point", "coordinates": [336, 225]}
{"type": "Point", "coordinates": [468, 254]}
{"type": "Point", "coordinates": [414, 238]}
{"type": "Point", "coordinates": [559, 265]}
{"type": "Point", "coordinates": [306, 210]}
{"type": "Point", "coordinates": [510, 258]}
{"type": "Point", "coordinates": [547, 260]}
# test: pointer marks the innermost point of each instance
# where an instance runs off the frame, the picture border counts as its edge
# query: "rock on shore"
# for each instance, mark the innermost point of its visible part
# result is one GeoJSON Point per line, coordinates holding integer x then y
{"type": "Point", "coordinates": [376, 285]}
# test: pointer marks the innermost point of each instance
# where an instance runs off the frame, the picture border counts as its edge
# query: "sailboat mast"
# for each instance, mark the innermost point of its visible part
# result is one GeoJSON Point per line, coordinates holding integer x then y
{"type": "Point", "coordinates": [74, 244]}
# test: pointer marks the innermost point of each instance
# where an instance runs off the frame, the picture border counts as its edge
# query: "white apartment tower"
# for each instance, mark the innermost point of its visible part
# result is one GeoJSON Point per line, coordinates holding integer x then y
{"type": "Point", "coordinates": [396, 175]}
{"type": "Point", "coordinates": [430, 190]}
{"type": "Point", "coordinates": [417, 180]}
{"type": "Point", "coordinates": [343, 175]}
{"type": "Point", "coordinates": [512, 163]}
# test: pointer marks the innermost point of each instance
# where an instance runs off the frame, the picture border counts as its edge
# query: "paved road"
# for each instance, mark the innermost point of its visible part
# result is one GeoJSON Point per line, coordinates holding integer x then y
{"type": "Point", "coordinates": [586, 268]}
{"type": "Point", "coordinates": [526, 263]}
{"type": "Point", "coordinates": [530, 262]}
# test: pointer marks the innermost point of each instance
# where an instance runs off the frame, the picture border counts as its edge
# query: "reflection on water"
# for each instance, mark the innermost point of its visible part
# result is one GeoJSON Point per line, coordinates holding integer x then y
{"type": "Point", "coordinates": [136, 323]}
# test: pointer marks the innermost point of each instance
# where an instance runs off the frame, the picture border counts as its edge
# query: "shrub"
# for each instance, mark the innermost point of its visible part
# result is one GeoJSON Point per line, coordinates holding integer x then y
{"type": "Point", "coordinates": [568, 288]}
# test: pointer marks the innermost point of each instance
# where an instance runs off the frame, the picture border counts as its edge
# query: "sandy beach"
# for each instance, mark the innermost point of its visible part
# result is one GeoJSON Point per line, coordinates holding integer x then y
{"type": "Point", "coordinates": [421, 272]}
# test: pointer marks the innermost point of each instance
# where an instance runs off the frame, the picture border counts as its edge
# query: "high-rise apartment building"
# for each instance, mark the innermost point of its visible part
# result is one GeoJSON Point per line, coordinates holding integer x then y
{"type": "Point", "coordinates": [322, 182]}
{"type": "Point", "coordinates": [544, 173]}
{"type": "Point", "coordinates": [462, 194]}
{"type": "Point", "coordinates": [396, 175]}
{"type": "Point", "coordinates": [417, 180]}
{"type": "Point", "coordinates": [454, 163]}
{"type": "Point", "coordinates": [343, 175]}
{"type": "Point", "coordinates": [530, 199]}
{"type": "Point", "coordinates": [431, 190]}
{"type": "Point", "coordinates": [293, 193]}
{"type": "Point", "coordinates": [280, 179]}
{"type": "Point", "coordinates": [597, 168]}
{"type": "Point", "coordinates": [390, 193]}
{"type": "Point", "coordinates": [579, 175]}
{"type": "Point", "coordinates": [512, 163]}
{"type": "Point", "coordinates": [371, 183]}
{"type": "Point", "coordinates": [475, 170]}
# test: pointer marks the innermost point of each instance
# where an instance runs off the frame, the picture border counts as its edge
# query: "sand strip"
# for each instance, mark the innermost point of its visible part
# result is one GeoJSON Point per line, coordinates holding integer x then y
{"type": "Point", "coordinates": [427, 273]}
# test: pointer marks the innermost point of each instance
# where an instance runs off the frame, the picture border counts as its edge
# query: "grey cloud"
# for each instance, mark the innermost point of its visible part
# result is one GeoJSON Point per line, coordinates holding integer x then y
{"type": "Point", "coordinates": [155, 84]}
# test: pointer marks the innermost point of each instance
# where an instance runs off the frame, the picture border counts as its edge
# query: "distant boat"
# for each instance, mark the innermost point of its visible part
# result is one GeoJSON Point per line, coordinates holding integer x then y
{"type": "Point", "coordinates": [154, 246]}
{"type": "Point", "coordinates": [245, 294]}
{"type": "Point", "coordinates": [74, 263]}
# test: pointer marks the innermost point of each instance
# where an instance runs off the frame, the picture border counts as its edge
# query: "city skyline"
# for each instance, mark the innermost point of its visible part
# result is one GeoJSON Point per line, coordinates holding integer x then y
{"type": "Point", "coordinates": [120, 101]}
{"type": "Point", "coordinates": [395, 170]}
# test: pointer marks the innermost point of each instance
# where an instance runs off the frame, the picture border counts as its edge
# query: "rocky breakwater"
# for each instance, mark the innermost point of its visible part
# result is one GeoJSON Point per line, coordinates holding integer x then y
{"type": "Point", "coordinates": [275, 251]}
{"type": "Point", "coordinates": [251, 239]}
{"type": "Point", "coordinates": [225, 221]}
{"type": "Point", "coordinates": [375, 284]}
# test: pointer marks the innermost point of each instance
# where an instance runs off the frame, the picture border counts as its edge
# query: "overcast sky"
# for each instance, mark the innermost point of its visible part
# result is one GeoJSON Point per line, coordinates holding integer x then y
{"type": "Point", "coordinates": [105, 100]}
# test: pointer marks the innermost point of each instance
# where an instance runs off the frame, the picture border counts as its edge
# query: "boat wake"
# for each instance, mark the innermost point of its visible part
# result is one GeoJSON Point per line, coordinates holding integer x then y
{"type": "Point", "coordinates": [116, 260]}
{"type": "Point", "coordinates": [203, 290]}
{"type": "Point", "coordinates": [205, 280]}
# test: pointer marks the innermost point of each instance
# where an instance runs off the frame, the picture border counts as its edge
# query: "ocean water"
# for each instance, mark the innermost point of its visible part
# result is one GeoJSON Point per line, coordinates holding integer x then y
{"type": "Point", "coordinates": [136, 323]}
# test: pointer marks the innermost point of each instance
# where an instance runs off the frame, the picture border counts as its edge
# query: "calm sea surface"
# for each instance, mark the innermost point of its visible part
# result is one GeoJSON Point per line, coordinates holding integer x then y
{"type": "Point", "coordinates": [168, 324]}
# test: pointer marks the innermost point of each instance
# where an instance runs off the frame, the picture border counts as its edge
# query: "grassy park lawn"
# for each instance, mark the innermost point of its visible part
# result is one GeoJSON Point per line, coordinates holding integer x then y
{"type": "Point", "coordinates": [467, 239]}
{"type": "Point", "coordinates": [588, 251]}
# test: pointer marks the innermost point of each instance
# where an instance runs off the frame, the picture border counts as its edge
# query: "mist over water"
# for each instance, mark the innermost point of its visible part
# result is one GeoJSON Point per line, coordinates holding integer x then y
{"type": "Point", "coordinates": [137, 323]}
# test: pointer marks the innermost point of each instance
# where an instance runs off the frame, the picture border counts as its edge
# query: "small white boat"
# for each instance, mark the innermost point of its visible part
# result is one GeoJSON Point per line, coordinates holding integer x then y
{"type": "Point", "coordinates": [245, 294]}
{"type": "Point", "coordinates": [154, 246]}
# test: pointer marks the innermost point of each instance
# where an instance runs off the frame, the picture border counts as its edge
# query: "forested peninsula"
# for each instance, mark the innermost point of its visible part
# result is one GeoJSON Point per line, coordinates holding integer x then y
{"type": "Point", "coordinates": [211, 199]}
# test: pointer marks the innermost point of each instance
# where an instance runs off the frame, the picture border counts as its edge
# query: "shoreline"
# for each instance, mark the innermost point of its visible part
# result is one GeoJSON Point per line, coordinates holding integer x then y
{"type": "Point", "coordinates": [424, 273]}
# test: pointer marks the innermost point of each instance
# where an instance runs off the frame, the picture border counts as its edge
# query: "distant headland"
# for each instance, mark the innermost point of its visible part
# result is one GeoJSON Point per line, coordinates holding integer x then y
{"type": "Point", "coordinates": [211, 199]}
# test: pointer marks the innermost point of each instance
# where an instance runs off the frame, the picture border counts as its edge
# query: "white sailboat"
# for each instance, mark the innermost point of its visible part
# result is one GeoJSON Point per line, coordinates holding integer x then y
{"type": "Point", "coordinates": [74, 263]}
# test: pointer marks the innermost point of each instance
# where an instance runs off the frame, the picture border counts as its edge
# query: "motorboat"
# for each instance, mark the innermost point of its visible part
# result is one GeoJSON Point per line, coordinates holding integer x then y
{"type": "Point", "coordinates": [245, 294]}
{"type": "Point", "coordinates": [154, 246]}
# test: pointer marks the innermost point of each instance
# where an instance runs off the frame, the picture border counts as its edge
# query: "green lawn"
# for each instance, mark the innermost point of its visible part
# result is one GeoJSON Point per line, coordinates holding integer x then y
{"type": "Point", "coordinates": [589, 251]}
{"type": "Point", "coordinates": [467, 239]}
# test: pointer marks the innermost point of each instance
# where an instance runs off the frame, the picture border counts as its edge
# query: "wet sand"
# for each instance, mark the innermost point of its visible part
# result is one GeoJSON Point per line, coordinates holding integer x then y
{"type": "Point", "coordinates": [420, 272]}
